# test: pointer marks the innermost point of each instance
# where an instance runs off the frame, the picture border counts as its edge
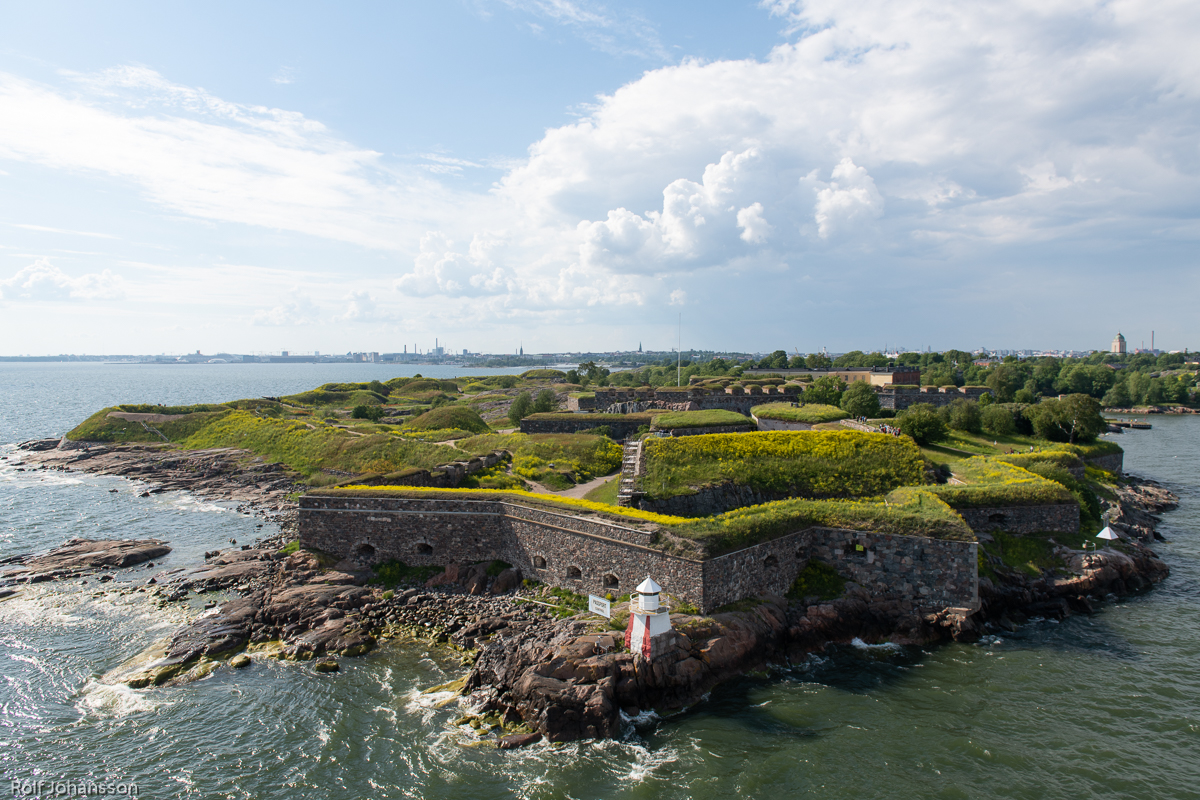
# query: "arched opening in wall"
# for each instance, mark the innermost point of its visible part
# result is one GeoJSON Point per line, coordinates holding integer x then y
{"type": "Point", "coordinates": [611, 582]}
{"type": "Point", "coordinates": [771, 562]}
{"type": "Point", "coordinates": [424, 549]}
{"type": "Point", "coordinates": [996, 519]}
{"type": "Point", "coordinates": [364, 553]}
{"type": "Point", "coordinates": [574, 573]}
{"type": "Point", "coordinates": [539, 562]}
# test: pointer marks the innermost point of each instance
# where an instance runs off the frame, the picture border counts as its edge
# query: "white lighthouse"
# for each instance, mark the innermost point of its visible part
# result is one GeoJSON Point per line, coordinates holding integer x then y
{"type": "Point", "coordinates": [649, 621]}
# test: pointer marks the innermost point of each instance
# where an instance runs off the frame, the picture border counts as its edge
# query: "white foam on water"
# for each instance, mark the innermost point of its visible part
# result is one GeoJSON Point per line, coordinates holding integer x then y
{"type": "Point", "coordinates": [890, 647]}
{"type": "Point", "coordinates": [116, 700]}
{"type": "Point", "coordinates": [426, 706]}
{"type": "Point", "coordinates": [640, 719]}
{"type": "Point", "coordinates": [646, 761]}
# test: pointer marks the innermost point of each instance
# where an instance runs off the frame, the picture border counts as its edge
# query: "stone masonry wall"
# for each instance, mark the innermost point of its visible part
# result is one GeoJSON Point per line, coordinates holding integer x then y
{"type": "Point", "coordinates": [930, 573]}
{"type": "Point", "coordinates": [1112, 463]}
{"type": "Point", "coordinates": [1062, 518]}
{"type": "Point", "coordinates": [618, 428]}
{"type": "Point", "coordinates": [596, 556]}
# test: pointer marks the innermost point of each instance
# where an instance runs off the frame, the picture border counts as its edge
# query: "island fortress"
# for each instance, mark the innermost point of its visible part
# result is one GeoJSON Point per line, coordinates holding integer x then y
{"type": "Point", "coordinates": [598, 554]}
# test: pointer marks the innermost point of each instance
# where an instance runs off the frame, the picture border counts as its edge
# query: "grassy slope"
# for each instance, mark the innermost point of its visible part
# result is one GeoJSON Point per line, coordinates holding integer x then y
{"type": "Point", "coordinates": [308, 451]}
{"type": "Point", "coordinates": [812, 413]}
{"type": "Point", "coordinates": [461, 417]}
{"type": "Point", "coordinates": [593, 455]}
{"type": "Point", "coordinates": [699, 419]}
{"type": "Point", "coordinates": [807, 463]}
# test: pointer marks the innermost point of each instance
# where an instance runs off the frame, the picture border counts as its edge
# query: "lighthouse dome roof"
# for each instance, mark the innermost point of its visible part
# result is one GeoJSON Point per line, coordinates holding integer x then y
{"type": "Point", "coordinates": [648, 586]}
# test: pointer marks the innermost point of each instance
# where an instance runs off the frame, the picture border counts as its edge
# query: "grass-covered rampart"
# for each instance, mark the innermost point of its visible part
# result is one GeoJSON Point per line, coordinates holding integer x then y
{"type": "Point", "coordinates": [812, 413]}
{"type": "Point", "coordinates": [842, 464]}
{"type": "Point", "coordinates": [990, 483]}
{"type": "Point", "coordinates": [710, 418]}
{"type": "Point", "coordinates": [910, 512]}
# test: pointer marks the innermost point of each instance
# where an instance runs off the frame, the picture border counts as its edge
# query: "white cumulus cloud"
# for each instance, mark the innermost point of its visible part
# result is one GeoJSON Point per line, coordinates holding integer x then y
{"type": "Point", "coordinates": [42, 281]}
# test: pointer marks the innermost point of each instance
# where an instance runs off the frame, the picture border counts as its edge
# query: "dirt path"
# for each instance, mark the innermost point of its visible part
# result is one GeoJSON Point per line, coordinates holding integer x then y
{"type": "Point", "coordinates": [579, 490]}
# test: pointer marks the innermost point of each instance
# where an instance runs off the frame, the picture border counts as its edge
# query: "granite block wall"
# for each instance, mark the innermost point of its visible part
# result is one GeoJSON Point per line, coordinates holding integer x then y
{"type": "Point", "coordinates": [930, 573]}
{"type": "Point", "coordinates": [589, 555]}
{"type": "Point", "coordinates": [1112, 463]}
{"type": "Point", "coordinates": [1063, 518]}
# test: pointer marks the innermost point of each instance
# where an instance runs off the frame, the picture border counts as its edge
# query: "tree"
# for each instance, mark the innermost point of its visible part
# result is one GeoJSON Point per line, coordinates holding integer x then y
{"type": "Point", "coordinates": [373, 413]}
{"type": "Point", "coordinates": [922, 423]}
{"type": "Point", "coordinates": [818, 361]}
{"type": "Point", "coordinates": [860, 400]}
{"type": "Point", "coordinates": [379, 388]}
{"type": "Point", "coordinates": [521, 407]}
{"type": "Point", "coordinates": [963, 415]}
{"type": "Point", "coordinates": [572, 376]}
{"type": "Point", "coordinates": [1117, 396]}
{"type": "Point", "coordinates": [1074, 418]}
{"type": "Point", "coordinates": [796, 362]}
{"type": "Point", "coordinates": [777, 360]}
{"type": "Point", "coordinates": [986, 400]}
{"type": "Point", "coordinates": [1004, 381]}
{"type": "Point", "coordinates": [998, 420]}
{"type": "Point", "coordinates": [826, 390]}
{"type": "Point", "coordinates": [545, 402]}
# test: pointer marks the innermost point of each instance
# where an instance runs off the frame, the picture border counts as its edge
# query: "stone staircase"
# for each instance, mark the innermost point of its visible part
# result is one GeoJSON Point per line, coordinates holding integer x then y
{"type": "Point", "coordinates": [626, 490]}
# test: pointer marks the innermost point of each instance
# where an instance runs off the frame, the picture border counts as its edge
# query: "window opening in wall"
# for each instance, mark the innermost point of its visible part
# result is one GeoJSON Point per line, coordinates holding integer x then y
{"type": "Point", "coordinates": [364, 551]}
{"type": "Point", "coordinates": [611, 582]}
{"type": "Point", "coordinates": [996, 519]}
{"type": "Point", "coordinates": [574, 572]}
{"type": "Point", "coordinates": [771, 562]}
{"type": "Point", "coordinates": [539, 562]}
{"type": "Point", "coordinates": [424, 549]}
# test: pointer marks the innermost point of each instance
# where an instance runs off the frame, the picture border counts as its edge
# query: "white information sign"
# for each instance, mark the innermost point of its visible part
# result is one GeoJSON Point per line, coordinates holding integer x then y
{"type": "Point", "coordinates": [598, 605]}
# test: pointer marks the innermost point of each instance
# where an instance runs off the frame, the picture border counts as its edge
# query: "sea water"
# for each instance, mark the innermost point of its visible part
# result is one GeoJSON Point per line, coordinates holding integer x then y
{"type": "Point", "coordinates": [1093, 707]}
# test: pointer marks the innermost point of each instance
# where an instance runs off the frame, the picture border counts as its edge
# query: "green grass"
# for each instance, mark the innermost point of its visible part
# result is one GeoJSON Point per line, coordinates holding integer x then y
{"type": "Point", "coordinates": [994, 483]}
{"type": "Point", "coordinates": [579, 453]}
{"type": "Point", "coordinates": [605, 492]}
{"type": "Point", "coordinates": [917, 514]}
{"type": "Point", "coordinates": [812, 413]}
{"type": "Point", "coordinates": [800, 463]}
{"type": "Point", "coordinates": [698, 419]}
{"type": "Point", "coordinates": [308, 451]}
{"type": "Point", "coordinates": [1030, 553]}
{"type": "Point", "coordinates": [461, 417]}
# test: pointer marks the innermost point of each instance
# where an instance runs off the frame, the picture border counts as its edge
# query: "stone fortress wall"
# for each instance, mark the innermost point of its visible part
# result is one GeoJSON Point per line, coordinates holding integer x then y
{"type": "Point", "coordinates": [591, 555]}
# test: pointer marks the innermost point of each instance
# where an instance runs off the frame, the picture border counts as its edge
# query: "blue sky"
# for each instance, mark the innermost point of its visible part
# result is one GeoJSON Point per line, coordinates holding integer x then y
{"type": "Point", "coordinates": [574, 175]}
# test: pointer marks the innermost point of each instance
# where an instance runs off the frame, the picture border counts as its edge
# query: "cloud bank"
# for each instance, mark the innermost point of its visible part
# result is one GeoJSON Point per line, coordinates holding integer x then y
{"type": "Point", "coordinates": [882, 138]}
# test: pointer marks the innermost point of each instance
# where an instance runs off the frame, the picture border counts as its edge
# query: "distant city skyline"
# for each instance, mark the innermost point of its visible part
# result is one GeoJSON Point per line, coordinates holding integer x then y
{"type": "Point", "coordinates": [508, 173]}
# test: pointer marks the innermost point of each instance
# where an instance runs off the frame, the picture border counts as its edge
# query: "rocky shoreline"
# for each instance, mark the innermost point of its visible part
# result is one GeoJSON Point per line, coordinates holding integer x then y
{"type": "Point", "coordinates": [533, 673]}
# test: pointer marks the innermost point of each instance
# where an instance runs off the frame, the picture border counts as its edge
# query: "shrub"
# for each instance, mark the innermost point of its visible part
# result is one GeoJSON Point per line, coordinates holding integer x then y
{"type": "Point", "coordinates": [860, 400]}
{"type": "Point", "coordinates": [545, 401]}
{"type": "Point", "coordinates": [542, 374]}
{"type": "Point", "coordinates": [922, 422]}
{"type": "Point", "coordinates": [819, 579]}
{"type": "Point", "coordinates": [373, 413]}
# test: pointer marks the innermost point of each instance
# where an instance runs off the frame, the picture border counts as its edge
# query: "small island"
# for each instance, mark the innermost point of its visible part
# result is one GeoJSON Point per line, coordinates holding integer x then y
{"type": "Point", "coordinates": [775, 515]}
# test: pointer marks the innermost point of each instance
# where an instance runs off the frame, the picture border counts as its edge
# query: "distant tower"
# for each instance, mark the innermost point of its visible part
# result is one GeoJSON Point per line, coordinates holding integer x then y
{"type": "Point", "coordinates": [1118, 345]}
{"type": "Point", "coordinates": [639, 347]}
{"type": "Point", "coordinates": [522, 348]}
